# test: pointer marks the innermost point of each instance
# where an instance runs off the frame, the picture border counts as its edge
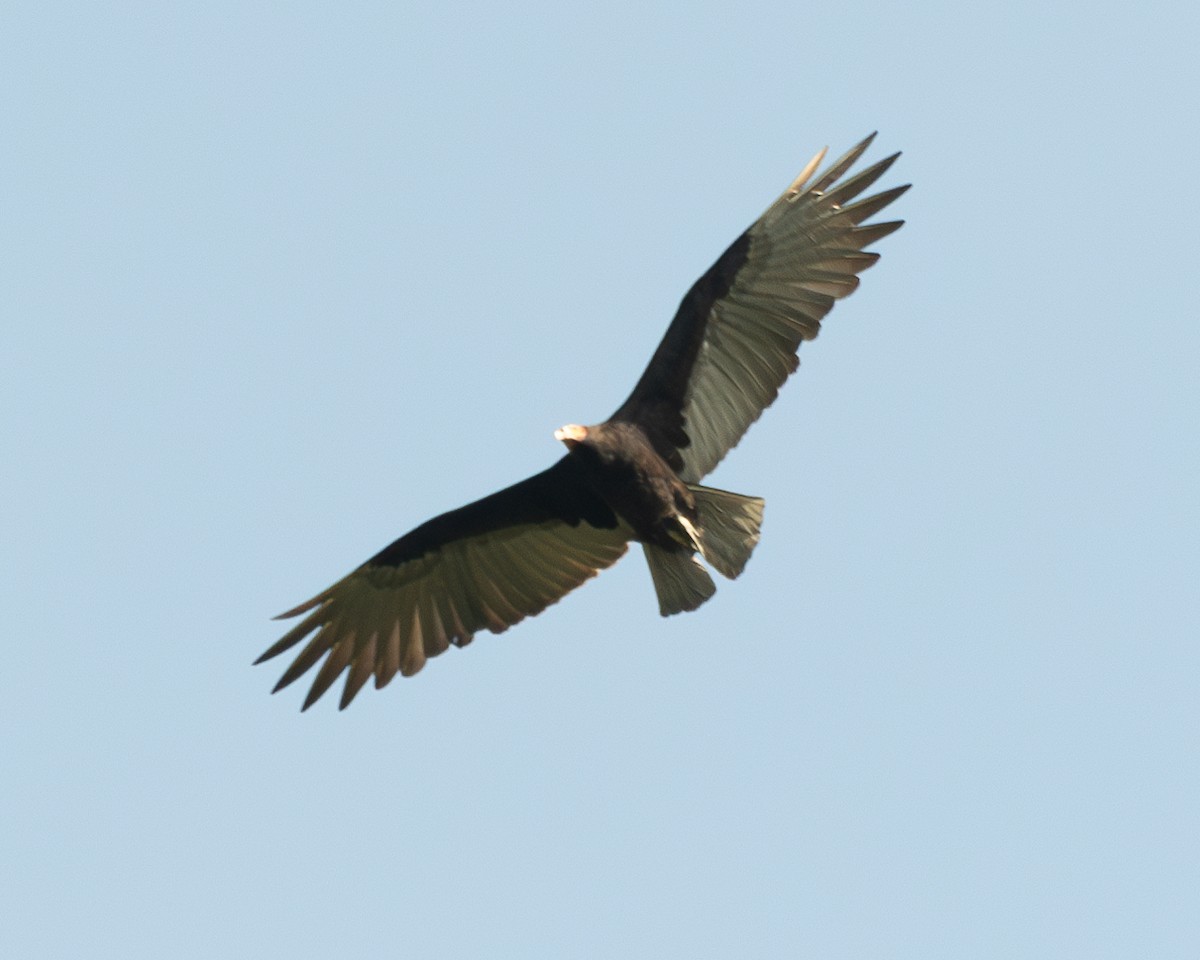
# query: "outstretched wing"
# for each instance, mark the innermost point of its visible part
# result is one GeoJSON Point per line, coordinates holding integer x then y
{"type": "Point", "coordinates": [487, 565]}
{"type": "Point", "coordinates": [734, 339]}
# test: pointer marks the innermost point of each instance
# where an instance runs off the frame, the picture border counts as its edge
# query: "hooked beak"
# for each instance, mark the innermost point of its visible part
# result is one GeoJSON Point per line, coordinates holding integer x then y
{"type": "Point", "coordinates": [571, 434]}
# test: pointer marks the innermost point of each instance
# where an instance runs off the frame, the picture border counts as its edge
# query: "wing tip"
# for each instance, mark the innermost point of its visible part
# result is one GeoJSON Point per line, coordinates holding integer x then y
{"type": "Point", "coordinates": [284, 681]}
{"type": "Point", "coordinates": [310, 698]}
{"type": "Point", "coordinates": [796, 187]}
{"type": "Point", "coordinates": [303, 608]}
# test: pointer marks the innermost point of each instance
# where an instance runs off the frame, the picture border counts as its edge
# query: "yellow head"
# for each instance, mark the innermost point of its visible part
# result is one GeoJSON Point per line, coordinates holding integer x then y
{"type": "Point", "coordinates": [571, 434]}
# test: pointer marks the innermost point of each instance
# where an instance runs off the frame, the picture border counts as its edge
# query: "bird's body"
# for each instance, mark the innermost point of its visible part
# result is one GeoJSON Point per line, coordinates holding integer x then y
{"type": "Point", "coordinates": [622, 467]}
{"type": "Point", "coordinates": [634, 477]}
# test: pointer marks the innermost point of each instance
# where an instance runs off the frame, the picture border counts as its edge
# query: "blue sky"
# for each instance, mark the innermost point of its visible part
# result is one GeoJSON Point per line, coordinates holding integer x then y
{"type": "Point", "coordinates": [283, 280]}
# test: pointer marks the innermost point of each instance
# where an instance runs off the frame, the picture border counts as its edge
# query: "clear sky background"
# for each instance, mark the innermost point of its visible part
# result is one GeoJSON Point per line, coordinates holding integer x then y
{"type": "Point", "coordinates": [280, 281]}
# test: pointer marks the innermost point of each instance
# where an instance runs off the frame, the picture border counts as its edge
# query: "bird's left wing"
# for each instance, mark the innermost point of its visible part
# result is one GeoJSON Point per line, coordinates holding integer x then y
{"type": "Point", "coordinates": [487, 566]}
{"type": "Point", "coordinates": [734, 339]}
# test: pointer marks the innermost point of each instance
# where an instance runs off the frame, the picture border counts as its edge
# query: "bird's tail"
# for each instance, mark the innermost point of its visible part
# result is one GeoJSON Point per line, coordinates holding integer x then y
{"type": "Point", "coordinates": [680, 579]}
{"type": "Point", "coordinates": [726, 533]}
{"type": "Point", "coordinates": [728, 527]}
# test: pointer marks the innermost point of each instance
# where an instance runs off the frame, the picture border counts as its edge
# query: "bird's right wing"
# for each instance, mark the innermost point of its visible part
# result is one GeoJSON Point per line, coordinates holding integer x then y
{"type": "Point", "coordinates": [487, 565]}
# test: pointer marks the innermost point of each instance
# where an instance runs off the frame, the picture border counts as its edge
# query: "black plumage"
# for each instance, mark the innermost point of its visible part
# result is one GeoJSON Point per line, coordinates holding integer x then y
{"type": "Point", "coordinates": [633, 478]}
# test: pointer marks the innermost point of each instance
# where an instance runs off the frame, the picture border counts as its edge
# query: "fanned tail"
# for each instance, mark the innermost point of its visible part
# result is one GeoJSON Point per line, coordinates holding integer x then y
{"type": "Point", "coordinates": [680, 579]}
{"type": "Point", "coordinates": [729, 527]}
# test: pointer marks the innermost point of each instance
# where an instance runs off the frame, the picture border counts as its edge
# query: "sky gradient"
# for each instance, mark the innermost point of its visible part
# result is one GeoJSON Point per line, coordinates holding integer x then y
{"type": "Point", "coordinates": [281, 281]}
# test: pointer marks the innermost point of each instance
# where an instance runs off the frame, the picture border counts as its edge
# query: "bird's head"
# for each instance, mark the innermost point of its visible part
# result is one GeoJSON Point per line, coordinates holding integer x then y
{"type": "Point", "coordinates": [572, 434]}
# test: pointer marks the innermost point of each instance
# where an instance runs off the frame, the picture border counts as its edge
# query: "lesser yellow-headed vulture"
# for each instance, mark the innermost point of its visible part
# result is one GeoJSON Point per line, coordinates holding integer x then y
{"type": "Point", "coordinates": [635, 477]}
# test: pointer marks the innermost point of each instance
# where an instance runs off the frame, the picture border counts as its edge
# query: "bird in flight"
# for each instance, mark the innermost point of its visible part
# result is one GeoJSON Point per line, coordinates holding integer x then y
{"type": "Point", "coordinates": [633, 478]}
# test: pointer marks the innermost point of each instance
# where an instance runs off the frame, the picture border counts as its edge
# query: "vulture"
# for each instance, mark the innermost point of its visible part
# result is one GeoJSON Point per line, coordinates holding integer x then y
{"type": "Point", "coordinates": [633, 478]}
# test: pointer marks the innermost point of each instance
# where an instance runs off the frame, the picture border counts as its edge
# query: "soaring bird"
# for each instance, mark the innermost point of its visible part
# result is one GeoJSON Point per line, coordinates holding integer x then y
{"type": "Point", "coordinates": [634, 477]}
